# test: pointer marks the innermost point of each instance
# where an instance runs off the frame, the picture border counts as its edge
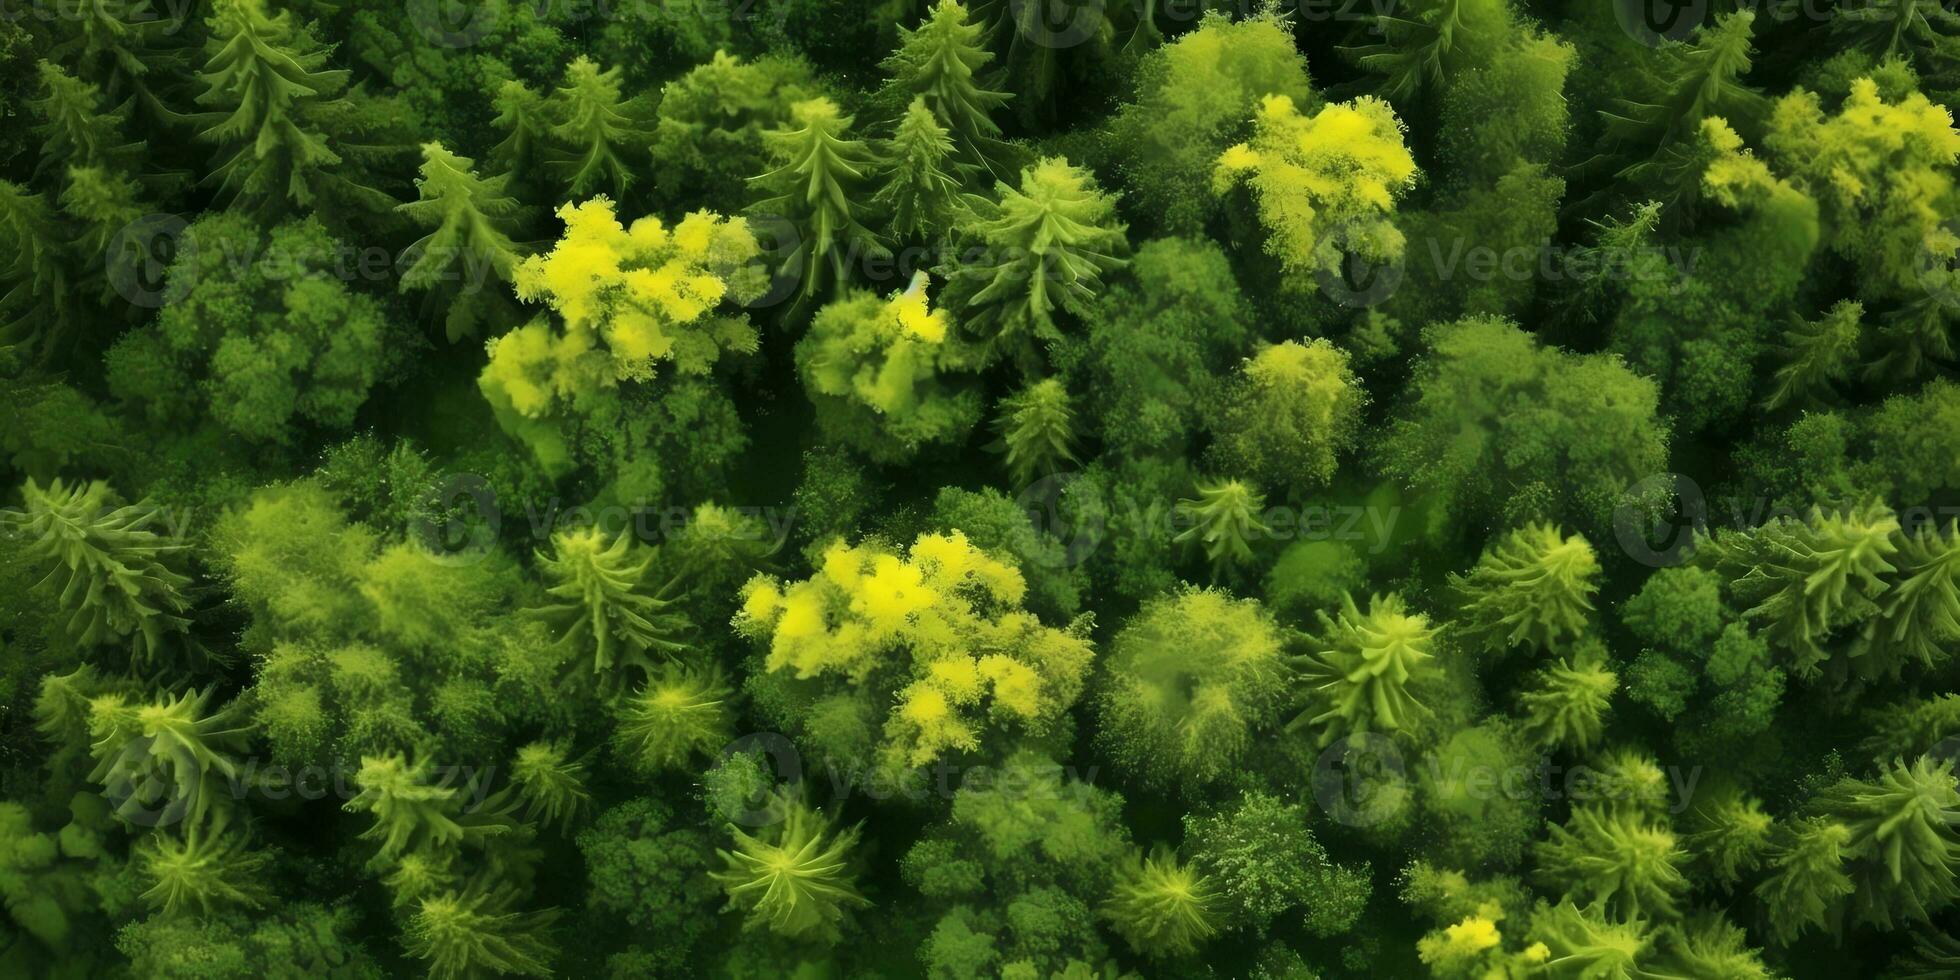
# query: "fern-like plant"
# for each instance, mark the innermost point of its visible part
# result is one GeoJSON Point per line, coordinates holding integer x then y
{"type": "Point", "coordinates": [167, 761]}
{"type": "Point", "coordinates": [1224, 518]}
{"type": "Point", "coordinates": [1807, 884]}
{"type": "Point", "coordinates": [265, 80]}
{"type": "Point", "coordinates": [417, 809]}
{"type": "Point", "coordinates": [1043, 250]}
{"type": "Point", "coordinates": [550, 783]}
{"type": "Point", "coordinates": [938, 66]}
{"type": "Point", "coordinates": [108, 569]}
{"type": "Point", "coordinates": [682, 712]}
{"type": "Point", "coordinates": [204, 870]}
{"type": "Point", "coordinates": [922, 182]}
{"type": "Point", "coordinates": [1358, 675]}
{"type": "Point", "coordinates": [1615, 859]}
{"type": "Point", "coordinates": [1903, 847]}
{"type": "Point", "coordinates": [795, 879]}
{"type": "Point", "coordinates": [1817, 354]}
{"type": "Point", "coordinates": [1532, 587]}
{"type": "Point", "coordinates": [603, 602]}
{"type": "Point", "coordinates": [1730, 835]}
{"type": "Point", "coordinates": [597, 133]}
{"type": "Point", "coordinates": [1567, 702]}
{"type": "Point", "coordinates": [1037, 430]}
{"type": "Point", "coordinates": [1160, 907]}
{"type": "Point", "coordinates": [819, 185]}
{"type": "Point", "coordinates": [1803, 580]}
{"type": "Point", "coordinates": [1918, 618]}
{"type": "Point", "coordinates": [475, 933]}
{"type": "Point", "coordinates": [464, 263]}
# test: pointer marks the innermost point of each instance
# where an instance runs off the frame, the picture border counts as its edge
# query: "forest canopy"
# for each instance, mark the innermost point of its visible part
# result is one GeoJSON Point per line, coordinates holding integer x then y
{"type": "Point", "coordinates": [979, 489]}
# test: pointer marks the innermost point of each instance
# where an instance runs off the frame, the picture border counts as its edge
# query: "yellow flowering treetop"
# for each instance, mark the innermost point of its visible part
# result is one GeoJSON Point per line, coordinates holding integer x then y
{"type": "Point", "coordinates": [1324, 185]}
{"type": "Point", "coordinates": [1883, 170]}
{"type": "Point", "coordinates": [874, 369]}
{"type": "Point", "coordinates": [941, 625]}
{"type": "Point", "coordinates": [629, 298]}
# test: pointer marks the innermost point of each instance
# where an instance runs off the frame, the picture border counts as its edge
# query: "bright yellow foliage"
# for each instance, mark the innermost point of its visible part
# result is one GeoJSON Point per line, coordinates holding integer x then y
{"type": "Point", "coordinates": [1324, 185]}
{"type": "Point", "coordinates": [1883, 170]}
{"type": "Point", "coordinates": [940, 624]}
{"type": "Point", "coordinates": [637, 295]}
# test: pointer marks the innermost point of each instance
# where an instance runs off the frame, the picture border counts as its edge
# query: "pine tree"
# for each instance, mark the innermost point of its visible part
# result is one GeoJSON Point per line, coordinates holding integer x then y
{"type": "Point", "coordinates": [128, 48]}
{"type": "Point", "coordinates": [109, 572]}
{"type": "Point", "coordinates": [1817, 353]}
{"type": "Point", "coordinates": [106, 203]}
{"type": "Point", "coordinates": [819, 178]}
{"type": "Point", "coordinates": [939, 63]}
{"type": "Point", "coordinates": [525, 120]}
{"type": "Point", "coordinates": [1045, 248]}
{"type": "Point", "coordinates": [264, 80]}
{"type": "Point", "coordinates": [39, 309]}
{"type": "Point", "coordinates": [595, 130]}
{"type": "Point", "coordinates": [76, 130]}
{"type": "Point", "coordinates": [465, 260]}
{"type": "Point", "coordinates": [1701, 79]}
{"type": "Point", "coordinates": [922, 182]}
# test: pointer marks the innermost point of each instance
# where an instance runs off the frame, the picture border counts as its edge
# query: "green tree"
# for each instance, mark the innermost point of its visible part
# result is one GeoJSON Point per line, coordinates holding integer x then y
{"type": "Point", "coordinates": [467, 259]}
{"type": "Point", "coordinates": [881, 376]}
{"type": "Point", "coordinates": [593, 130]}
{"type": "Point", "coordinates": [1189, 682]}
{"type": "Point", "coordinates": [1044, 249]}
{"type": "Point", "coordinates": [818, 185]}
{"type": "Point", "coordinates": [269, 92]}
{"type": "Point", "coordinates": [939, 64]}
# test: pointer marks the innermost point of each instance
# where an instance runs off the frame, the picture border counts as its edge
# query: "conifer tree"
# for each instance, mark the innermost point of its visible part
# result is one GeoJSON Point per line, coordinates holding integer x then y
{"type": "Point", "coordinates": [821, 175]}
{"type": "Point", "coordinates": [939, 63]}
{"type": "Point", "coordinates": [598, 135]}
{"type": "Point", "coordinates": [922, 183]}
{"type": "Point", "coordinates": [465, 260]}
{"type": "Point", "coordinates": [264, 79]}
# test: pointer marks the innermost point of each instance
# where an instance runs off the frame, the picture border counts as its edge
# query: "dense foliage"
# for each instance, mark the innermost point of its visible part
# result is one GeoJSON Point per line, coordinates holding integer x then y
{"type": "Point", "coordinates": [979, 489]}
